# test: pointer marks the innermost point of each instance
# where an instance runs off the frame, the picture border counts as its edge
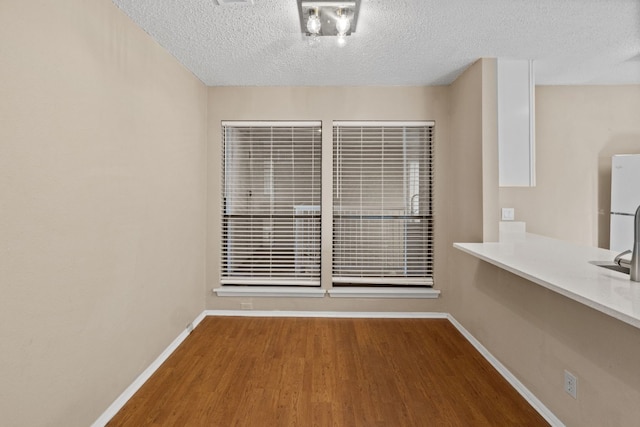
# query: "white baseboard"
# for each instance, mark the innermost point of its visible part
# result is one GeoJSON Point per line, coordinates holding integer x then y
{"type": "Point", "coordinates": [511, 379]}
{"type": "Point", "coordinates": [121, 400]}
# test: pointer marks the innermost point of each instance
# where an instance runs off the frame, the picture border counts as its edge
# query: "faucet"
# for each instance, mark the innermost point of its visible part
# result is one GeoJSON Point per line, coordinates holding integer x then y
{"type": "Point", "coordinates": [634, 268]}
{"type": "Point", "coordinates": [634, 264]}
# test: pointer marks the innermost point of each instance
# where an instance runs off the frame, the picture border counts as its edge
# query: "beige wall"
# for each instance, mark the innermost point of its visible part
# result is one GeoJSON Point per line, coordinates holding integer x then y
{"type": "Point", "coordinates": [326, 104]}
{"type": "Point", "coordinates": [534, 332]}
{"type": "Point", "coordinates": [102, 184]}
{"type": "Point", "coordinates": [473, 184]}
{"type": "Point", "coordinates": [472, 171]}
{"type": "Point", "coordinates": [490, 166]}
{"type": "Point", "coordinates": [537, 334]}
{"type": "Point", "coordinates": [578, 129]}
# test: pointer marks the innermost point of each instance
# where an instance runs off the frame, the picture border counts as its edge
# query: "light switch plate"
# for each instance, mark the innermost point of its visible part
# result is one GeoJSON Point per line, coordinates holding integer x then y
{"type": "Point", "coordinates": [508, 214]}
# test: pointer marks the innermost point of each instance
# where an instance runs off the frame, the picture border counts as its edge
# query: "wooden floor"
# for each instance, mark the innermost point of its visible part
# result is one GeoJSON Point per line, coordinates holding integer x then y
{"type": "Point", "coordinates": [326, 372]}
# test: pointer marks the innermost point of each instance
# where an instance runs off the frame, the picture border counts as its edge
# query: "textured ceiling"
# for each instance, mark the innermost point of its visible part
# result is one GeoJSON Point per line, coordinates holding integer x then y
{"type": "Point", "coordinates": [398, 42]}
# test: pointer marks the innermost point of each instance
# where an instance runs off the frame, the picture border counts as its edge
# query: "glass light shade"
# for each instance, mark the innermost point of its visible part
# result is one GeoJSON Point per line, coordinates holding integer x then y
{"type": "Point", "coordinates": [313, 24]}
{"type": "Point", "coordinates": [343, 24]}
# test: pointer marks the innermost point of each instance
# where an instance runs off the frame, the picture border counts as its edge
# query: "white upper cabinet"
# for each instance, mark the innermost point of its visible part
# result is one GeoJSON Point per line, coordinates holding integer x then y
{"type": "Point", "coordinates": [516, 124]}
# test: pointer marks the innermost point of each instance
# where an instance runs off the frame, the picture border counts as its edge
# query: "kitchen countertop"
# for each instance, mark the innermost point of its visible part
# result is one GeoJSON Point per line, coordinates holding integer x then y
{"type": "Point", "coordinates": [564, 267]}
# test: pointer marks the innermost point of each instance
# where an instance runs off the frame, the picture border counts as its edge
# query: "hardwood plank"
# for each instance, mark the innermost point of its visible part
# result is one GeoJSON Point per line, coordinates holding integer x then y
{"type": "Point", "coordinates": [237, 371]}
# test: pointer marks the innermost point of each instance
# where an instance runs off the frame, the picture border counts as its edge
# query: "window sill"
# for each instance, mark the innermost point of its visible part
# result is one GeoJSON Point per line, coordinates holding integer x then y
{"type": "Point", "coordinates": [346, 292]}
{"type": "Point", "coordinates": [358, 292]}
{"type": "Point", "coordinates": [270, 291]}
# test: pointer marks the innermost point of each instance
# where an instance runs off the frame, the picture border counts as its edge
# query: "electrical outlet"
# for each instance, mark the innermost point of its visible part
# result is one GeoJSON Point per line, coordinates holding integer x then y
{"type": "Point", "coordinates": [508, 214]}
{"type": "Point", "coordinates": [571, 384]}
{"type": "Point", "coordinates": [246, 305]}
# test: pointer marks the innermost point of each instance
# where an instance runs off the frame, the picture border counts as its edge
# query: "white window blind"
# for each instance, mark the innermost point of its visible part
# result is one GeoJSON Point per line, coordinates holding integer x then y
{"type": "Point", "coordinates": [271, 203]}
{"type": "Point", "coordinates": [383, 203]}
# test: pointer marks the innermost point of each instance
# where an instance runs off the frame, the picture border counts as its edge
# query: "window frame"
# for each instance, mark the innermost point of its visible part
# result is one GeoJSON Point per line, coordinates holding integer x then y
{"type": "Point", "coordinates": [353, 276]}
{"type": "Point", "coordinates": [274, 221]}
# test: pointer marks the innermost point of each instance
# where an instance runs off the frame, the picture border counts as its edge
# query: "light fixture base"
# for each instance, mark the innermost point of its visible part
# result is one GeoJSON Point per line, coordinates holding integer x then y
{"type": "Point", "coordinates": [226, 2]}
{"type": "Point", "coordinates": [328, 12]}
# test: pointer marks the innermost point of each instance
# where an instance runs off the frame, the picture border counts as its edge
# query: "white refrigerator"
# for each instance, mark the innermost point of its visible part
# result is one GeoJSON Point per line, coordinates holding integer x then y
{"type": "Point", "coordinates": [625, 199]}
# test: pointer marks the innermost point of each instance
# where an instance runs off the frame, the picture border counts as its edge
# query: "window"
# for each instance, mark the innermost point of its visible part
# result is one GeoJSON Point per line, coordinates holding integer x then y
{"type": "Point", "coordinates": [271, 203]}
{"type": "Point", "coordinates": [382, 203]}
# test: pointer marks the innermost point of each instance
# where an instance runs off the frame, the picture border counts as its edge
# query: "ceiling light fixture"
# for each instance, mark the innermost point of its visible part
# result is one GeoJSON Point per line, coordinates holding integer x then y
{"type": "Point", "coordinates": [342, 23]}
{"type": "Point", "coordinates": [313, 23]}
{"type": "Point", "coordinates": [328, 18]}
